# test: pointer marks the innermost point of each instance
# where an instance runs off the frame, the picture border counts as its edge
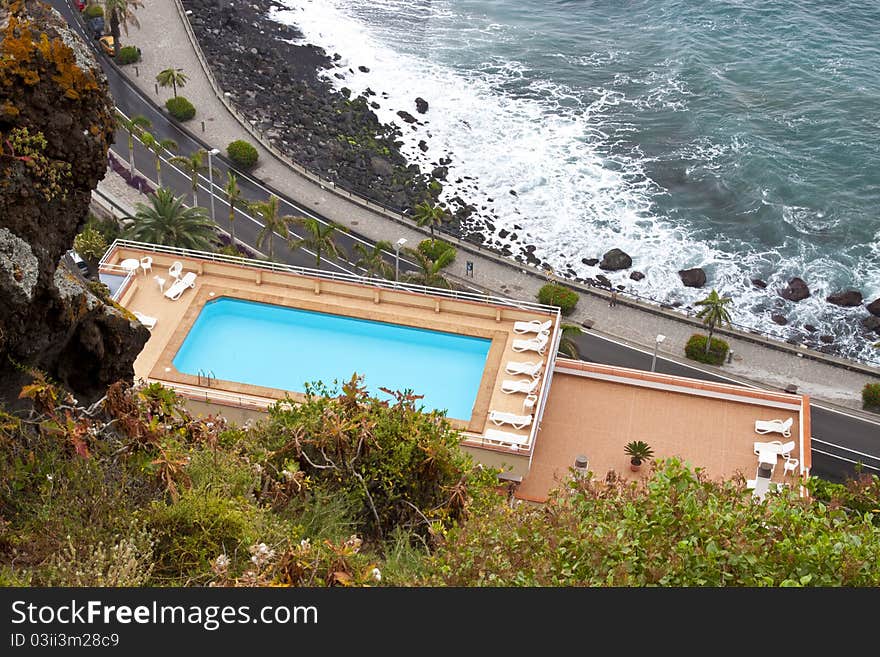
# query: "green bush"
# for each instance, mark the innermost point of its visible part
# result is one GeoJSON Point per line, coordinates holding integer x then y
{"type": "Point", "coordinates": [695, 349]}
{"type": "Point", "coordinates": [128, 55]}
{"type": "Point", "coordinates": [433, 249]}
{"type": "Point", "coordinates": [180, 108]}
{"type": "Point", "coordinates": [558, 295]}
{"type": "Point", "coordinates": [871, 396]}
{"type": "Point", "coordinates": [242, 153]}
{"type": "Point", "coordinates": [93, 11]}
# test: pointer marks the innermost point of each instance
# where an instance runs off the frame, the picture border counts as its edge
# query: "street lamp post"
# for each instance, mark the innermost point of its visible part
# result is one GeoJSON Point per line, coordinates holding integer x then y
{"type": "Point", "coordinates": [211, 152]}
{"type": "Point", "coordinates": [397, 246]}
{"type": "Point", "coordinates": [657, 342]}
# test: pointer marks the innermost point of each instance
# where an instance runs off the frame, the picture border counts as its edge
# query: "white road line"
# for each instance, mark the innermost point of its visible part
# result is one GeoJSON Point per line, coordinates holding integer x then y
{"type": "Point", "coordinates": [847, 449]}
{"type": "Point", "coordinates": [841, 458]}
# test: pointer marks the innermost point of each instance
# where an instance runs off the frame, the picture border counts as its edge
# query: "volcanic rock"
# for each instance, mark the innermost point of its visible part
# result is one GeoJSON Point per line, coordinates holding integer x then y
{"type": "Point", "coordinates": [363, 69]}
{"type": "Point", "coordinates": [757, 282]}
{"type": "Point", "coordinates": [590, 262]}
{"type": "Point", "coordinates": [797, 290]}
{"type": "Point", "coordinates": [637, 275]}
{"type": "Point", "coordinates": [847, 298]}
{"type": "Point", "coordinates": [603, 280]}
{"type": "Point", "coordinates": [827, 339]}
{"type": "Point", "coordinates": [406, 116]}
{"type": "Point", "coordinates": [421, 105]}
{"type": "Point", "coordinates": [423, 146]}
{"type": "Point", "coordinates": [695, 277]}
{"type": "Point", "coordinates": [614, 260]}
{"type": "Point", "coordinates": [874, 307]}
{"type": "Point", "coordinates": [782, 320]}
{"type": "Point", "coordinates": [810, 328]}
{"type": "Point", "coordinates": [871, 323]}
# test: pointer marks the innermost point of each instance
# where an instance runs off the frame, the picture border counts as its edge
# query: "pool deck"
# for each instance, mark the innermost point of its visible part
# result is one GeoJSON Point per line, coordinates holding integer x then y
{"type": "Point", "coordinates": [354, 299]}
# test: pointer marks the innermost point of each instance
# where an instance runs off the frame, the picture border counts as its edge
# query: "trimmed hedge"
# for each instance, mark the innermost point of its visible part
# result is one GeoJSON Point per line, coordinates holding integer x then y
{"type": "Point", "coordinates": [871, 397]}
{"type": "Point", "coordinates": [558, 295]}
{"type": "Point", "coordinates": [128, 55]}
{"type": "Point", "coordinates": [180, 108]}
{"type": "Point", "coordinates": [695, 349]}
{"type": "Point", "coordinates": [242, 153]}
{"type": "Point", "coordinates": [93, 11]}
{"type": "Point", "coordinates": [433, 249]}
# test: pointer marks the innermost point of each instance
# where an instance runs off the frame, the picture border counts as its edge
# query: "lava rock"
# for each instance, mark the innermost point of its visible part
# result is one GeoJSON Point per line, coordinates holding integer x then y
{"type": "Point", "coordinates": [637, 276]}
{"type": "Point", "coordinates": [695, 277]}
{"type": "Point", "coordinates": [363, 69]}
{"type": "Point", "coordinates": [439, 173]}
{"type": "Point", "coordinates": [406, 116]}
{"type": "Point", "coordinates": [797, 290]}
{"type": "Point", "coordinates": [590, 262]}
{"type": "Point", "coordinates": [603, 280]}
{"type": "Point", "coordinates": [871, 323]}
{"type": "Point", "coordinates": [782, 320]}
{"type": "Point", "coordinates": [614, 260]}
{"type": "Point", "coordinates": [421, 105]}
{"type": "Point", "coordinates": [847, 298]}
{"type": "Point", "coordinates": [423, 146]}
{"type": "Point", "coordinates": [810, 328]}
{"type": "Point", "coordinates": [757, 282]}
{"type": "Point", "coordinates": [874, 307]}
{"type": "Point", "coordinates": [827, 339]}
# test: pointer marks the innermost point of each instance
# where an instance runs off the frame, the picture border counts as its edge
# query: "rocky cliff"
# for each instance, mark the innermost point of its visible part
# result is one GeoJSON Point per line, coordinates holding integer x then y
{"type": "Point", "coordinates": [56, 125]}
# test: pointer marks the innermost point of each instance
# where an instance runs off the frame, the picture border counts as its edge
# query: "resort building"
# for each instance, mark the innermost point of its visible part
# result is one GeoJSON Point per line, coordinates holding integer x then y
{"type": "Point", "coordinates": [233, 335]}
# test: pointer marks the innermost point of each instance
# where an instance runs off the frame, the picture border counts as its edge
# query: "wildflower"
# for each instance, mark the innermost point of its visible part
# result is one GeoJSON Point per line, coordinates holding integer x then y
{"type": "Point", "coordinates": [377, 574]}
{"type": "Point", "coordinates": [50, 477]}
{"type": "Point", "coordinates": [305, 544]}
{"type": "Point", "coordinates": [261, 554]}
{"type": "Point", "coordinates": [221, 564]}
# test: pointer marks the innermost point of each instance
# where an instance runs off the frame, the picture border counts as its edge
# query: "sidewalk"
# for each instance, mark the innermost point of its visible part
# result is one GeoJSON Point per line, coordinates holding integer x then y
{"type": "Point", "coordinates": [165, 43]}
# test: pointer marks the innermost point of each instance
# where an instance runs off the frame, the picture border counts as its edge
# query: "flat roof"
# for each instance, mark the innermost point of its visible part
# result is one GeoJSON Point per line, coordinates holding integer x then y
{"type": "Point", "coordinates": [595, 410]}
{"type": "Point", "coordinates": [219, 276]}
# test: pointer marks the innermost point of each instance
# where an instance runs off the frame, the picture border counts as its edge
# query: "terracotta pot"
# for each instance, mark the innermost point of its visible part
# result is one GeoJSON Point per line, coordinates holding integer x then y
{"type": "Point", "coordinates": [635, 465]}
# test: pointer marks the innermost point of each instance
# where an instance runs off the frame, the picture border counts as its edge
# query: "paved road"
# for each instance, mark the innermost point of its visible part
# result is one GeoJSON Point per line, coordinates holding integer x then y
{"type": "Point", "coordinates": [839, 440]}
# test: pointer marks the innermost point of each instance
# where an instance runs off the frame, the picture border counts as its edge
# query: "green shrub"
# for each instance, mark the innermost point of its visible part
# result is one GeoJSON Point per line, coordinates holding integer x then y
{"type": "Point", "coordinates": [558, 295]}
{"type": "Point", "coordinates": [242, 153]}
{"type": "Point", "coordinates": [128, 55]}
{"type": "Point", "coordinates": [871, 396]}
{"type": "Point", "coordinates": [180, 108]}
{"type": "Point", "coordinates": [433, 249]}
{"type": "Point", "coordinates": [695, 349]}
{"type": "Point", "coordinates": [93, 11]}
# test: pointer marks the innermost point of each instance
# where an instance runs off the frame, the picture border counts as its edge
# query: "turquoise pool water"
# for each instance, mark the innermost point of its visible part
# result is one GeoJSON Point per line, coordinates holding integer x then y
{"type": "Point", "coordinates": [285, 348]}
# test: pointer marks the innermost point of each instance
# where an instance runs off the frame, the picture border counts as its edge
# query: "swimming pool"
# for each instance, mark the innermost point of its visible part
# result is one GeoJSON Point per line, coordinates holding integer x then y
{"type": "Point", "coordinates": [284, 348]}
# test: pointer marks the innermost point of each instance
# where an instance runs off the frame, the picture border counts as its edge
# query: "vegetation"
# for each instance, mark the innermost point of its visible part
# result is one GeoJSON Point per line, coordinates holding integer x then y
{"type": "Point", "coordinates": [193, 164]}
{"type": "Point", "coordinates": [567, 345]}
{"type": "Point", "coordinates": [235, 200]}
{"type": "Point", "coordinates": [242, 153]}
{"type": "Point", "coordinates": [135, 127]}
{"type": "Point", "coordinates": [372, 259]}
{"type": "Point", "coordinates": [429, 271]}
{"type": "Point", "coordinates": [168, 222]}
{"type": "Point", "coordinates": [871, 397]}
{"type": "Point", "coordinates": [109, 228]}
{"type": "Point", "coordinates": [121, 14]}
{"type": "Point", "coordinates": [128, 55]}
{"type": "Point", "coordinates": [273, 222]}
{"type": "Point", "coordinates": [433, 249]}
{"type": "Point", "coordinates": [92, 11]}
{"type": "Point", "coordinates": [429, 215]}
{"type": "Point", "coordinates": [91, 246]}
{"type": "Point", "coordinates": [638, 451]}
{"type": "Point", "coordinates": [159, 148]}
{"type": "Point", "coordinates": [553, 294]}
{"type": "Point", "coordinates": [180, 108]}
{"type": "Point", "coordinates": [172, 77]}
{"type": "Point", "coordinates": [320, 238]}
{"type": "Point", "coordinates": [714, 313]}
{"type": "Point", "coordinates": [27, 150]}
{"type": "Point", "coordinates": [695, 349]}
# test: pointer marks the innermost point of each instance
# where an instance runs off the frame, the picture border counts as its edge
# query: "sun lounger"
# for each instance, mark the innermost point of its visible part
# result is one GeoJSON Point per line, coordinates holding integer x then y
{"type": "Point", "coordinates": [529, 369]}
{"type": "Point", "coordinates": [180, 285]}
{"type": "Point", "coordinates": [538, 343]}
{"type": "Point", "coordinates": [505, 437]}
{"type": "Point", "coordinates": [146, 320]}
{"type": "Point", "coordinates": [534, 326]}
{"type": "Point", "coordinates": [528, 387]}
{"type": "Point", "coordinates": [516, 421]}
{"type": "Point", "coordinates": [774, 426]}
{"type": "Point", "coordinates": [776, 447]}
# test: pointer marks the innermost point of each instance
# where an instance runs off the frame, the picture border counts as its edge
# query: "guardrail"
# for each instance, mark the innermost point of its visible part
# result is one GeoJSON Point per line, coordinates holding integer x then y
{"type": "Point", "coordinates": [329, 276]}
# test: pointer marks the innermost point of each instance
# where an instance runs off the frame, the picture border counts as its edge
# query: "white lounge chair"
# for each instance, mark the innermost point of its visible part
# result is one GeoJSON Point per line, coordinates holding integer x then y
{"type": "Point", "coordinates": [516, 421]}
{"type": "Point", "coordinates": [790, 465]}
{"type": "Point", "coordinates": [505, 437]}
{"type": "Point", "coordinates": [538, 343]}
{"type": "Point", "coordinates": [175, 269]}
{"type": "Point", "coordinates": [510, 386]}
{"type": "Point", "coordinates": [774, 426]}
{"type": "Point", "coordinates": [146, 320]}
{"type": "Point", "coordinates": [777, 447]}
{"type": "Point", "coordinates": [533, 326]}
{"type": "Point", "coordinates": [528, 369]}
{"type": "Point", "coordinates": [181, 284]}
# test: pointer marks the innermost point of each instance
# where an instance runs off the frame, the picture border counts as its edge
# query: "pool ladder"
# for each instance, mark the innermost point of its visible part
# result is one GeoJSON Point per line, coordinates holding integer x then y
{"type": "Point", "coordinates": [208, 376]}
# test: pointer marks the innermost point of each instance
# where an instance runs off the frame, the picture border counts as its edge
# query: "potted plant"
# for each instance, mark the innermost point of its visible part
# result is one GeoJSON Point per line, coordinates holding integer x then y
{"type": "Point", "coordinates": [638, 451]}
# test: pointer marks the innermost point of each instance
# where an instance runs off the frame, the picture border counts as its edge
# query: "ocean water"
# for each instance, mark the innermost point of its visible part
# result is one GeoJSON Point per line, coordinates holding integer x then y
{"type": "Point", "coordinates": [737, 136]}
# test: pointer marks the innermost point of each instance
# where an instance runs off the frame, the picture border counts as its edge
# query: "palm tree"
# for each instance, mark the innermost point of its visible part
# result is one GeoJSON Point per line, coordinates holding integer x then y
{"type": "Point", "coordinates": [429, 270]}
{"type": "Point", "coordinates": [320, 238]}
{"type": "Point", "coordinates": [121, 12]}
{"type": "Point", "coordinates": [158, 146]}
{"type": "Point", "coordinates": [373, 260]}
{"type": "Point", "coordinates": [429, 215]}
{"type": "Point", "coordinates": [714, 313]}
{"type": "Point", "coordinates": [235, 200]}
{"type": "Point", "coordinates": [135, 127]}
{"type": "Point", "coordinates": [172, 77]}
{"type": "Point", "coordinates": [267, 211]}
{"type": "Point", "coordinates": [168, 222]}
{"type": "Point", "coordinates": [567, 345]}
{"type": "Point", "coordinates": [193, 164]}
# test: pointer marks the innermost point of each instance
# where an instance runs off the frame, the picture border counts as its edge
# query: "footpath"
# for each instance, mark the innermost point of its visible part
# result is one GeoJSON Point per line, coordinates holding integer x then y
{"type": "Point", "coordinates": [166, 42]}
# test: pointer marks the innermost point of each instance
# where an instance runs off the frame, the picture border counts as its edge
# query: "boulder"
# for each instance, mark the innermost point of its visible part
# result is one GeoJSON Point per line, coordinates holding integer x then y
{"type": "Point", "coordinates": [603, 281]}
{"type": "Point", "coordinates": [695, 277]}
{"type": "Point", "coordinates": [590, 262]}
{"type": "Point", "coordinates": [406, 116]}
{"type": "Point", "coordinates": [421, 105]}
{"type": "Point", "coordinates": [363, 69]}
{"type": "Point", "coordinates": [614, 260]}
{"type": "Point", "coordinates": [423, 146]}
{"type": "Point", "coordinates": [874, 307]}
{"type": "Point", "coordinates": [782, 320]}
{"type": "Point", "coordinates": [871, 323]}
{"type": "Point", "coordinates": [810, 328]}
{"type": "Point", "coordinates": [757, 282]}
{"type": "Point", "coordinates": [847, 298]}
{"type": "Point", "coordinates": [827, 339]}
{"type": "Point", "coordinates": [796, 290]}
{"type": "Point", "coordinates": [637, 276]}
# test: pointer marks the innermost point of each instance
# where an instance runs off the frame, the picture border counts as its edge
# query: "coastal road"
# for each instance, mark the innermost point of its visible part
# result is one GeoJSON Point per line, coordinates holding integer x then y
{"type": "Point", "coordinates": [840, 440]}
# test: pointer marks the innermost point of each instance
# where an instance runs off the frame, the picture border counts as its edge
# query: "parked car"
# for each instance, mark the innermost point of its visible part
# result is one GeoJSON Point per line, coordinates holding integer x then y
{"type": "Point", "coordinates": [79, 262]}
{"type": "Point", "coordinates": [96, 26]}
{"type": "Point", "coordinates": [106, 43]}
{"type": "Point", "coordinates": [80, 5]}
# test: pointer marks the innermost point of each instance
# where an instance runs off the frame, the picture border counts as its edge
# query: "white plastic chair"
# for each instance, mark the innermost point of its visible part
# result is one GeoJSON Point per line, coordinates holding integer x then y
{"type": "Point", "coordinates": [510, 386]}
{"type": "Point", "coordinates": [774, 426]}
{"type": "Point", "coordinates": [790, 465]}
{"type": "Point", "coordinates": [175, 269]}
{"type": "Point", "coordinates": [516, 421]}
{"type": "Point", "coordinates": [146, 264]}
{"type": "Point", "coordinates": [529, 402]}
{"type": "Point", "coordinates": [529, 369]}
{"type": "Point", "coordinates": [538, 343]}
{"type": "Point", "coordinates": [160, 282]}
{"type": "Point", "coordinates": [533, 326]}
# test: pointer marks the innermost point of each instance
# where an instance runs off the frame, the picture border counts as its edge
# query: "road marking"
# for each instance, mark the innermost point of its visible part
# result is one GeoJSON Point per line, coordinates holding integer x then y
{"type": "Point", "coordinates": [841, 458]}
